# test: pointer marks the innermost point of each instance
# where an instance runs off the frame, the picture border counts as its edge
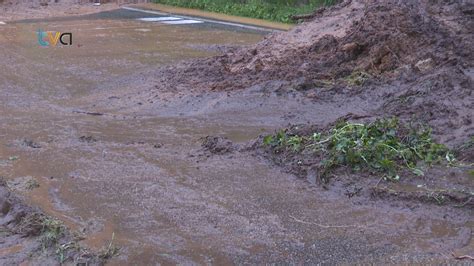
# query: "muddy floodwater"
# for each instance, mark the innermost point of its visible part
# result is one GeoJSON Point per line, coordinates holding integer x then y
{"type": "Point", "coordinates": [105, 166]}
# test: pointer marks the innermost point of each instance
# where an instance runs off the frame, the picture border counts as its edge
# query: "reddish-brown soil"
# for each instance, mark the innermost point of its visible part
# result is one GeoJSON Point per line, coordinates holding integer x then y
{"type": "Point", "coordinates": [413, 61]}
{"type": "Point", "coordinates": [361, 60]}
{"type": "Point", "coordinates": [418, 58]}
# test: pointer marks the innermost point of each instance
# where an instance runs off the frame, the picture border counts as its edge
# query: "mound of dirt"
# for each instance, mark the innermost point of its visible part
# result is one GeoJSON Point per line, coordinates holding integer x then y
{"type": "Point", "coordinates": [413, 58]}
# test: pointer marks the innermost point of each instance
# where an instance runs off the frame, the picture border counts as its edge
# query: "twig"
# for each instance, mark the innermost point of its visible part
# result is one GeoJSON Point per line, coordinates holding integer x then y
{"type": "Point", "coordinates": [396, 56]}
{"type": "Point", "coordinates": [464, 204]}
{"type": "Point", "coordinates": [462, 257]}
{"type": "Point", "coordinates": [378, 182]}
{"type": "Point", "coordinates": [336, 134]}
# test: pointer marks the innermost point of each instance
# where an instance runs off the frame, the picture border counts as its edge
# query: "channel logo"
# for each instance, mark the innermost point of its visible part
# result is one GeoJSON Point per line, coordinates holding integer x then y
{"type": "Point", "coordinates": [52, 38]}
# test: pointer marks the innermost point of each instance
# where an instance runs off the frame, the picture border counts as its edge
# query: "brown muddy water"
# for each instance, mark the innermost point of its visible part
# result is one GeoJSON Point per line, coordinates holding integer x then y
{"type": "Point", "coordinates": [106, 169]}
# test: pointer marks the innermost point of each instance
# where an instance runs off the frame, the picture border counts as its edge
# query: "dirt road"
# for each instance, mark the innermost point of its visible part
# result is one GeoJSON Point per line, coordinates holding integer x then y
{"type": "Point", "coordinates": [116, 152]}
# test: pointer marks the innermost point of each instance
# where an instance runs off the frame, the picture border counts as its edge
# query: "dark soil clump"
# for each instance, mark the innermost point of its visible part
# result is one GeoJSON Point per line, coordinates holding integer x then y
{"type": "Point", "coordinates": [217, 145]}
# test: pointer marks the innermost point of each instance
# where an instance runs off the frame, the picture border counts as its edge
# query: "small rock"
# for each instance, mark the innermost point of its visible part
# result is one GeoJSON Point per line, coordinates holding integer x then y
{"type": "Point", "coordinates": [312, 95]}
{"type": "Point", "coordinates": [350, 47]}
{"type": "Point", "coordinates": [425, 65]}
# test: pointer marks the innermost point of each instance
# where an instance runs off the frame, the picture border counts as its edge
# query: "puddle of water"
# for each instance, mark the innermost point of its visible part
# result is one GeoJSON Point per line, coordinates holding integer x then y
{"type": "Point", "coordinates": [78, 182]}
{"type": "Point", "coordinates": [102, 54]}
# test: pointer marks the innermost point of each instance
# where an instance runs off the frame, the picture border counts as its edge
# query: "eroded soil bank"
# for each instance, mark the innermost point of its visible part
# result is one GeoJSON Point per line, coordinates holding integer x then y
{"type": "Point", "coordinates": [167, 159]}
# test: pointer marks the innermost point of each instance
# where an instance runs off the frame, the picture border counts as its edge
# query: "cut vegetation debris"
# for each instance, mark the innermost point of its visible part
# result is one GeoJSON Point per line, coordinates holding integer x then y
{"type": "Point", "coordinates": [356, 157]}
{"type": "Point", "coordinates": [384, 147]}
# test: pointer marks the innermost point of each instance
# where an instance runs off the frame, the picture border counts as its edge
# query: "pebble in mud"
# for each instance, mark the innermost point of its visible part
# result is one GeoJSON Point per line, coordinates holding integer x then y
{"type": "Point", "coordinates": [425, 65]}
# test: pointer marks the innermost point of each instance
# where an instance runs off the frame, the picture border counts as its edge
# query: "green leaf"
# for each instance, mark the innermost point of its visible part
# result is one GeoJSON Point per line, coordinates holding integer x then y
{"type": "Point", "coordinates": [418, 172]}
{"type": "Point", "coordinates": [268, 140]}
{"type": "Point", "coordinates": [450, 158]}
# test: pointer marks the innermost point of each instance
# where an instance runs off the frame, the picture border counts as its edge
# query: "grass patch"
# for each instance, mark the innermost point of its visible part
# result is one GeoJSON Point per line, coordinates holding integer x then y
{"type": "Point", "coordinates": [52, 231]}
{"type": "Point", "coordinates": [358, 78]}
{"type": "Point", "coordinates": [32, 184]}
{"type": "Point", "coordinates": [54, 234]}
{"type": "Point", "coordinates": [383, 146]}
{"type": "Point", "coordinates": [63, 249]}
{"type": "Point", "coordinates": [110, 250]}
{"type": "Point", "coordinates": [273, 10]}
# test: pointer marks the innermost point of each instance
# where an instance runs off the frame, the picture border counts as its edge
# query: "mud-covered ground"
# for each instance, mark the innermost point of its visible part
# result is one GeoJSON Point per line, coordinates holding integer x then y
{"type": "Point", "coordinates": [415, 60]}
{"type": "Point", "coordinates": [27, 234]}
{"type": "Point", "coordinates": [362, 60]}
{"type": "Point", "coordinates": [24, 9]}
{"type": "Point", "coordinates": [169, 159]}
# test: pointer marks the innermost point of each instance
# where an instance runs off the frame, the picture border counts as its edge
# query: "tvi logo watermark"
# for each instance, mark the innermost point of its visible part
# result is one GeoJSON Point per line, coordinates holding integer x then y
{"type": "Point", "coordinates": [51, 38]}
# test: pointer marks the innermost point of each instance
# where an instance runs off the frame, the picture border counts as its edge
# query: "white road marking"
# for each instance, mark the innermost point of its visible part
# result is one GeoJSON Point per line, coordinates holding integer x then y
{"type": "Point", "coordinates": [205, 20]}
{"type": "Point", "coordinates": [122, 27]}
{"type": "Point", "coordinates": [143, 30]}
{"type": "Point", "coordinates": [159, 19]}
{"type": "Point", "coordinates": [182, 22]}
{"type": "Point", "coordinates": [2, 23]}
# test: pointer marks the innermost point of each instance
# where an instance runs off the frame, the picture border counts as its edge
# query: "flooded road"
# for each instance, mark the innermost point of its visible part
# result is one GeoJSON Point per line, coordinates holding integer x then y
{"type": "Point", "coordinates": [108, 168]}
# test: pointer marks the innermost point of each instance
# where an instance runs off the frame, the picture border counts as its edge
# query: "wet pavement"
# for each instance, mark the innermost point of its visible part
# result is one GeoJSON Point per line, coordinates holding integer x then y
{"type": "Point", "coordinates": [142, 176]}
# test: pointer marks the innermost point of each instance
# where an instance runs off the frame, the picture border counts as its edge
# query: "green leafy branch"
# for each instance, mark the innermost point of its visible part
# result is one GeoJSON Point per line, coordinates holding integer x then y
{"type": "Point", "coordinates": [383, 146]}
